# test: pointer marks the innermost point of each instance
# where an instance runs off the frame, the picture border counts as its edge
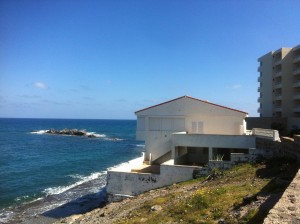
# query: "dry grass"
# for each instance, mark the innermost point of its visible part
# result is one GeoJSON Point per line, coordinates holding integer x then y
{"type": "Point", "coordinates": [220, 199]}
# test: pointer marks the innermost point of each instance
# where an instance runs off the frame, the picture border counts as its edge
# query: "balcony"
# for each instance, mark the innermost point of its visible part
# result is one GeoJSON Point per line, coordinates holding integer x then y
{"type": "Point", "coordinates": [296, 71]}
{"type": "Point", "coordinates": [296, 96]}
{"type": "Point", "coordinates": [297, 108]}
{"type": "Point", "coordinates": [258, 89]}
{"type": "Point", "coordinates": [296, 83]}
{"type": "Point", "coordinates": [277, 85]}
{"type": "Point", "coordinates": [277, 108]}
{"type": "Point", "coordinates": [259, 69]}
{"type": "Point", "coordinates": [296, 58]}
{"type": "Point", "coordinates": [296, 48]}
{"type": "Point", "coordinates": [277, 96]}
{"type": "Point", "coordinates": [259, 79]}
{"type": "Point", "coordinates": [259, 110]}
{"type": "Point", "coordinates": [277, 61]}
{"type": "Point", "coordinates": [258, 99]}
{"type": "Point", "coordinates": [277, 74]}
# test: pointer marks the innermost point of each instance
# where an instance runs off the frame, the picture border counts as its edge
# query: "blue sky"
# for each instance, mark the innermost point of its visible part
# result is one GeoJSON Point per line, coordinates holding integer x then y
{"type": "Point", "coordinates": [108, 59]}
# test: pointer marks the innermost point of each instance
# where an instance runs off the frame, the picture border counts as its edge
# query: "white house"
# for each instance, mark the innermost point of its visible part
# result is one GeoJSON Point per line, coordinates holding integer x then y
{"type": "Point", "coordinates": [184, 136]}
{"type": "Point", "coordinates": [157, 124]}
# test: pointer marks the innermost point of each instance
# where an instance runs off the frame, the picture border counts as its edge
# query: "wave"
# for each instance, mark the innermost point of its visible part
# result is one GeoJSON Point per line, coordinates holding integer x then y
{"type": "Point", "coordinates": [95, 135]}
{"type": "Point", "coordinates": [126, 166]}
{"type": "Point", "coordinates": [39, 132]}
{"type": "Point", "coordinates": [140, 145]}
{"type": "Point", "coordinates": [81, 179]}
{"type": "Point", "coordinates": [114, 139]}
{"type": "Point", "coordinates": [22, 198]}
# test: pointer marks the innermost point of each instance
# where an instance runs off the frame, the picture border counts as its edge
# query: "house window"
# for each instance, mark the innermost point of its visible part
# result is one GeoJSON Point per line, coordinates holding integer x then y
{"type": "Point", "coordinates": [197, 127]}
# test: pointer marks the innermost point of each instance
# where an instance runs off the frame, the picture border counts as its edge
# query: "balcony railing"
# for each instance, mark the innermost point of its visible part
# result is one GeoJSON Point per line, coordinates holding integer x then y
{"type": "Point", "coordinates": [296, 58]}
{"type": "Point", "coordinates": [277, 85]}
{"type": "Point", "coordinates": [258, 99]}
{"type": "Point", "coordinates": [258, 89]}
{"type": "Point", "coordinates": [277, 97]}
{"type": "Point", "coordinates": [296, 83]}
{"type": "Point", "coordinates": [277, 73]}
{"type": "Point", "coordinates": [277, 61]}
{"type": "Point", "coordinates": [277, 108]}
{"type": "Point", "coordinates": [296, 96]}
{"type": "Point", "coordinates": [259, 69]}
{"type": "Point", "coordinates": [297, 108]}
{"type": "Point", "coordinates": [296, 71]}
{"type": "Point", "coordinates": [259, 79]}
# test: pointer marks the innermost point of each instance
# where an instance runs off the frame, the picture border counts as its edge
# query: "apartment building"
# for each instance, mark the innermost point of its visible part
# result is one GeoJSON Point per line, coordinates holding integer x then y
{"type": "Point", "coordinates": [279, 85]}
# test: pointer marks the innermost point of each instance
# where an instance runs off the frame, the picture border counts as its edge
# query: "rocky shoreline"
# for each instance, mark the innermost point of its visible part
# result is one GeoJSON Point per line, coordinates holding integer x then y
{"type": "Point", "coordinates": [74, 132]}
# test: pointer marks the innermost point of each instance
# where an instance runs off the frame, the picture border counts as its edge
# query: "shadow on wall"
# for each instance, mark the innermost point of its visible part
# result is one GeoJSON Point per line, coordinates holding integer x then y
{"type": "Point", "coordinates": [277, 123]}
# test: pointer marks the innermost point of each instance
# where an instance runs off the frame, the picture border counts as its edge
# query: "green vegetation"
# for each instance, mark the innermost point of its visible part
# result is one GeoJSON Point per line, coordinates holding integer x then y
{"type": "Point", "coordinates": [234, 196]}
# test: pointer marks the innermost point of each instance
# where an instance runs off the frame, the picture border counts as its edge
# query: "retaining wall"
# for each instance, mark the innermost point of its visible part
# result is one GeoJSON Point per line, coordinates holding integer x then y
{"type": "Point", "coordinates": [287, 209]}
{"type": "Point", "coordinates": [132, 183]}
{"type": "Point", "coordinates": [289, 147]}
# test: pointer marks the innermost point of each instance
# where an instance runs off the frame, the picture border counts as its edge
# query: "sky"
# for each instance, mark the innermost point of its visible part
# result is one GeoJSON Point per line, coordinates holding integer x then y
{"type": "Point", "coordinates": [107, 59]}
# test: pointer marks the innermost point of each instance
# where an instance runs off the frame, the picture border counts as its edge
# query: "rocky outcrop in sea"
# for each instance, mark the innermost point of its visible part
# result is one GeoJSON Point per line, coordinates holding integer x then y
{"type": "Point", "coordinates": [75, 132]}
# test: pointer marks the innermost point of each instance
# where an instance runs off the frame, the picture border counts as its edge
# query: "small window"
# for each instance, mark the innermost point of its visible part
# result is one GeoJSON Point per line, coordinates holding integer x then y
{"type": "Point", "coordinates": [197, 127]}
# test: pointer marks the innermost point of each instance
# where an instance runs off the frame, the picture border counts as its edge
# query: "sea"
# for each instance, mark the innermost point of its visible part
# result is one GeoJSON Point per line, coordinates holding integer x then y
{"type": "Point", "coordinates": [55, 176]}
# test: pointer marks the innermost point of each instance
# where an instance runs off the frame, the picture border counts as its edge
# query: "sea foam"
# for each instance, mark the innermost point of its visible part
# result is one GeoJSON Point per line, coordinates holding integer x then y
{"type": "Point", "coordinates": [81, 179]}
{"type": "Point", "coordinates": [127, 166]}
{"type": "Point", "coordinates": [39, 132]}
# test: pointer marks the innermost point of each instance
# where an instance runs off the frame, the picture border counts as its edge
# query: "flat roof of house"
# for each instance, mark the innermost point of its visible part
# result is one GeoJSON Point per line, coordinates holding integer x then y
{"type": "Point", "coordinates": [203, 101]}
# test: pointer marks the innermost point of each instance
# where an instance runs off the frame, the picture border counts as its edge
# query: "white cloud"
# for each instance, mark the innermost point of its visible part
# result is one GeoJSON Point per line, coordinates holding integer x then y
{"type": "Point", "coordinates": [40, 85]}
{"type": "Point", "coordinates": [237, 86]}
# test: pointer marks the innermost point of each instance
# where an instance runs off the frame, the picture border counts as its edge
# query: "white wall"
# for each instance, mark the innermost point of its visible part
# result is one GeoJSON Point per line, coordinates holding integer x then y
{"type": "Point", "coordinates": [136, 183]}
{"type": "Point", "coordinates": [156, 124]}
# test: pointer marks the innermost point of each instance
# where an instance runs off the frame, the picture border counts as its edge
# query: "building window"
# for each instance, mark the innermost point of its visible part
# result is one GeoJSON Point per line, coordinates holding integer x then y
{"type": "Point", "coordinates": [197, 127]}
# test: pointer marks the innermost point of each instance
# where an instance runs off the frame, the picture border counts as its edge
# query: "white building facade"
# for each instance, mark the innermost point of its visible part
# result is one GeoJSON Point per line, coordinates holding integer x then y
{"type": "Point", "coordinates": [156, 124]}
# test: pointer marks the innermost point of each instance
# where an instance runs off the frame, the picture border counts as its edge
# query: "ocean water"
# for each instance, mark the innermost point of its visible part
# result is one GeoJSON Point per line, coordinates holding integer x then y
{"type": "Point", "coordinates": [58, 175]}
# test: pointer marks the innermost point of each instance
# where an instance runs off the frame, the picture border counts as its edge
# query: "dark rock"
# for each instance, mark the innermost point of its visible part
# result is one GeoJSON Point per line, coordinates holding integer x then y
{"type": "Point", "coordinates": [221, 221]}
{"type": "Point", "coordinates": [69, 132]}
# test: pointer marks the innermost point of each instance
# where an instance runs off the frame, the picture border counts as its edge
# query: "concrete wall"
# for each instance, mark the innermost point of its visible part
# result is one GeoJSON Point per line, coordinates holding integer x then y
{"type": "Point", "coordinates": [287, 209]}
{"type": "Point", "coordinates": [128, 183]}
{"type": "Point", "coordinates": [214, 141]}
{"type": "Point", "coordinates": [287, 147]}
{"type": "Point", "coordinates": [266, 133]}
